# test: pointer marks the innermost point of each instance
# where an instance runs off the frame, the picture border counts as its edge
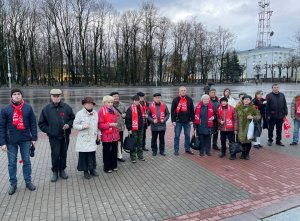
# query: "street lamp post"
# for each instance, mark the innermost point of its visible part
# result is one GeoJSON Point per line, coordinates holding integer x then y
{"type": "Point", "coordinates": [8, 68]}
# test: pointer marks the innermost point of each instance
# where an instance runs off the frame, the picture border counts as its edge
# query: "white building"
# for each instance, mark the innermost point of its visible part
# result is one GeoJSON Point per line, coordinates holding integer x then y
{"type": "Point", "coordinates": [261, 62]}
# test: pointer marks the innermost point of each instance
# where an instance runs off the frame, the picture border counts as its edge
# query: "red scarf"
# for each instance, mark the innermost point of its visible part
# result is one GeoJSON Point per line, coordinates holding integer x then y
{"type": "Point", "coordinates": [144, 110]}
{"type": "Point", "coordinates": [210, 113]}
{"type": "Point", "coordinates": [298, 108]}
{"type": "Point", "coordinates": [18, 116]}
{"type": "Point", "coordinates": [162, 111]}
{"type": "Point", "coordinates": [134, 118]}
{"type": "Point", "coordinates": [107, 118]}
{"type": "Point", "coordinates": [182, 105]}
{"type": "Point", "coordinates": [229, 116]}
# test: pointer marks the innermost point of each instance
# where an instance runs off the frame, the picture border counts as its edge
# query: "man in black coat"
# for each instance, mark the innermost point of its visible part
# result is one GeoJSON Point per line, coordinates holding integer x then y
{"type": "Point", "coordinates": [158, 114]}
{"type": "Point", "coordinates": [134, 123]}
{"type": "Point", "coordinates": [182, 116]}
{"type": "Point", "coordinates": [276, 112]}
{"type": "Point", "coordinates": [56, 120]}
{"type": "Point", "coordinates": [216, 104]}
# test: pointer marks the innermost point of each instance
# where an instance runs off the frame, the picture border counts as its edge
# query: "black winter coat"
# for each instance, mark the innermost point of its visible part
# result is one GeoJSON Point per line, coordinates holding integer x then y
{"type": "Point", "coordinates": [276, 105]}
{"type": "Point", "coordinates": [183, 117]}
{"type": "Point", "coordinates": [159, 126]}
{"type": "Point", "coordinates": [53, 118]}
{"type": "Point", "coordinates": [128, 118]}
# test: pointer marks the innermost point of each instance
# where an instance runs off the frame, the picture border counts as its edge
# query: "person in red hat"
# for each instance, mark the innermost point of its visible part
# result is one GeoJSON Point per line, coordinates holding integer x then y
{"type": "Point", "coordinates": [56, 121]}
{"type": "Point", "coordinates": [86, 122]}
{"type": "Point", "coordinates": [18, 129]}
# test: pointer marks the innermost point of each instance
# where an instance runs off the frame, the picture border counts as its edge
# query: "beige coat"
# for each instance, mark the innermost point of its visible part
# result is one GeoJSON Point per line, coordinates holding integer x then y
{"type": "Point", "coordinates": [86, 138]}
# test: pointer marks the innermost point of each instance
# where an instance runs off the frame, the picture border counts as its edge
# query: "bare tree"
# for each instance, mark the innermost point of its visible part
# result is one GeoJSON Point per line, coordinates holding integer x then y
{"type": "Point", "coordinates": [149, 23]}
{"type": "Point", "coordinates": [162, 35]}
{"type": "Point", "coordinates": [224, 40]}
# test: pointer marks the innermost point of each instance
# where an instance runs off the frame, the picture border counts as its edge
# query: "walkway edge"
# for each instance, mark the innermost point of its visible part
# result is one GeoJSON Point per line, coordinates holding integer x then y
{"type": "Point", "coordinates": [264, 212]}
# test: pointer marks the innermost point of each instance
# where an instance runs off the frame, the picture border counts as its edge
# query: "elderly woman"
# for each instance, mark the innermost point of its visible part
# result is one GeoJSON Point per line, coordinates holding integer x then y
{"type": "Point", "coordinates": [86, 122]}
{"type": "Point", "coordinates": [109, 134]}
{"type": "Point", "coordinates": [260, 104]}
{"type": "Point", "coordinates": [204, 122]}
{"type": "Point", "coordinates": [246, 113]}
{"type": "Point", "coordinates": [227, 94]}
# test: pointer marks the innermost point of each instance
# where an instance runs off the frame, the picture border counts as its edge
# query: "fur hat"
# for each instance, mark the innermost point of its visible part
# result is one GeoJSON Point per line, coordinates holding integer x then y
{"type": "Point", "coordinates": [88, 100]}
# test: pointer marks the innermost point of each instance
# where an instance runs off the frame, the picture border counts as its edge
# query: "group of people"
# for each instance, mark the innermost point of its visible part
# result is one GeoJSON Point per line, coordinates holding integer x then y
{"type": "Point", "coordinates": [211, 116]}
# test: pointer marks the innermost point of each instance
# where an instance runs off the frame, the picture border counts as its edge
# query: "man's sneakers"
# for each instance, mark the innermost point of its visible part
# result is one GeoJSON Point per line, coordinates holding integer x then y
{"type": "Point", "coordinates": [54, 176]}
{"type": "Point", "coordinates": [30, 186]}
{"type": "Point", "coordinates": [12, 189]}
{"type": "Point", "coordinates": [280, 144]}
{"type": "Point", "coordinates": [293, 143]}
{"type": "Point", "coordinates": [63, 174]}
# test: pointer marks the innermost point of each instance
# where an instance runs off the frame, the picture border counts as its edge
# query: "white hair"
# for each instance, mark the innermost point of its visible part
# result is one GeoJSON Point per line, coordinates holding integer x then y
{"type": "Point", "coordinates": [205, 96]}
{"type": "Point", "coordinates": [107, 98]}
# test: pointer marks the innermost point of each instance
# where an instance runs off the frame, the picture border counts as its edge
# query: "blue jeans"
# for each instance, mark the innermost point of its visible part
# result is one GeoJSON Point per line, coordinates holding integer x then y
{"type": "Point", "coordinates": [296, 130]}
{"type": "Point", "coordinates": [12, 155]}
{"type": "Point", "coordinates": [187, 129]}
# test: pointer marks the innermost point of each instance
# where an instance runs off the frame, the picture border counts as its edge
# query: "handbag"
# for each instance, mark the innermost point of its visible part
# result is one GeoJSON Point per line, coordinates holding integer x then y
{"type": "Point", "coordinates": [235, 147]}
{"type": "Point", "coordinates": [195, 142]}
{"type": "Point", "coordinates": [32, 149]}
{"type": "Point", "coordinates": [129, 143]}
{"type": "Point", "coordinates": [250, 133]}
{"type": "Point", "coordinates": [98, 142]}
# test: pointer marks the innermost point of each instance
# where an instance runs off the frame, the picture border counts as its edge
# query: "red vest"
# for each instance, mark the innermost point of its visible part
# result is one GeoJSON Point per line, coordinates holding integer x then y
{"type": "Point", "coordinates": [162, 111]}
{"type": "Point", "coordinates": [210, 113]}
{"type": "Point", "coordinates": [229, 117]}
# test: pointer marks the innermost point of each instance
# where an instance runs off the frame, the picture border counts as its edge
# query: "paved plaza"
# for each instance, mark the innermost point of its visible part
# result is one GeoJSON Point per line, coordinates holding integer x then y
{"type": "Point", "coordinates": [180, 187]}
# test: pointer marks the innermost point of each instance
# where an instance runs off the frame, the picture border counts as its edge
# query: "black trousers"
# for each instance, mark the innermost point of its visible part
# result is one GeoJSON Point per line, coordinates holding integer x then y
{"type": "Point", "coordinates": [110, 152]}
{"type": "Point", "coordinates": [272, 123]}
{"type": "Point", "coordinates": [161, 135]}
{"type": "Point", "coordinates": [144, 135]}
{"type": "Point", "coordinates": [121, 139]}
{"type": "Point", "coordinates": [205, 143]}
{"type": "Point", "coordinates": [59, 149]}
{"type": "Point", "coordinates": [224, 136]}
{"type": "Point", "coordinates": [215, 137]}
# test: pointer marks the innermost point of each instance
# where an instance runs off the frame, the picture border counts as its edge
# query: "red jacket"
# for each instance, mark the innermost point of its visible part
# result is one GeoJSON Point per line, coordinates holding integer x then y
{"type": "Point", "coordinates": [108, 134]}
{"type": "Point", "coordinates": [234, 118]}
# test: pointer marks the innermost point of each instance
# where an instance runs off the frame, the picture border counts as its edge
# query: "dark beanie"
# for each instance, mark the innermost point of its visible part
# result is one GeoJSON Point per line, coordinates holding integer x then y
{"type": "Point", "coordinates": [14, 90]}
{"type": "Point", "coordinates": [223, 99]}
{"type": "Point", "coordinates": [247, 96]}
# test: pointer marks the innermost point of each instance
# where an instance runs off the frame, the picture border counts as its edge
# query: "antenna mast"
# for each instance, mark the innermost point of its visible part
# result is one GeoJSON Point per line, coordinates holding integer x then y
{"type": "Point", "coordinates": [264, 32]}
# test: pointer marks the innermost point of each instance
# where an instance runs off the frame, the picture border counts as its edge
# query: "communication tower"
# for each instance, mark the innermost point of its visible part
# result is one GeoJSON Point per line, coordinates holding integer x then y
{"type": "Point", "coordinates": [264, 32]}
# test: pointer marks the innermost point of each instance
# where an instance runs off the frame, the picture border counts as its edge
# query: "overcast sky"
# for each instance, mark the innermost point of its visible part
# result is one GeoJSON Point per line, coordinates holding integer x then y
{"type": "Point", "coordinates": [239, 16]}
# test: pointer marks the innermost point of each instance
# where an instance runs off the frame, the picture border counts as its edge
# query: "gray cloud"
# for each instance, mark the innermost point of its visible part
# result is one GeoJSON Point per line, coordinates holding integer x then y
{"type": "Point", "coordinates": [239, 16]}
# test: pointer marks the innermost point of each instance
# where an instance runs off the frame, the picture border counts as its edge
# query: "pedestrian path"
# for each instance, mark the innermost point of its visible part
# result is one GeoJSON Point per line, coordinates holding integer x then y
{"type": "Point", "coordinates": [180, 187]}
